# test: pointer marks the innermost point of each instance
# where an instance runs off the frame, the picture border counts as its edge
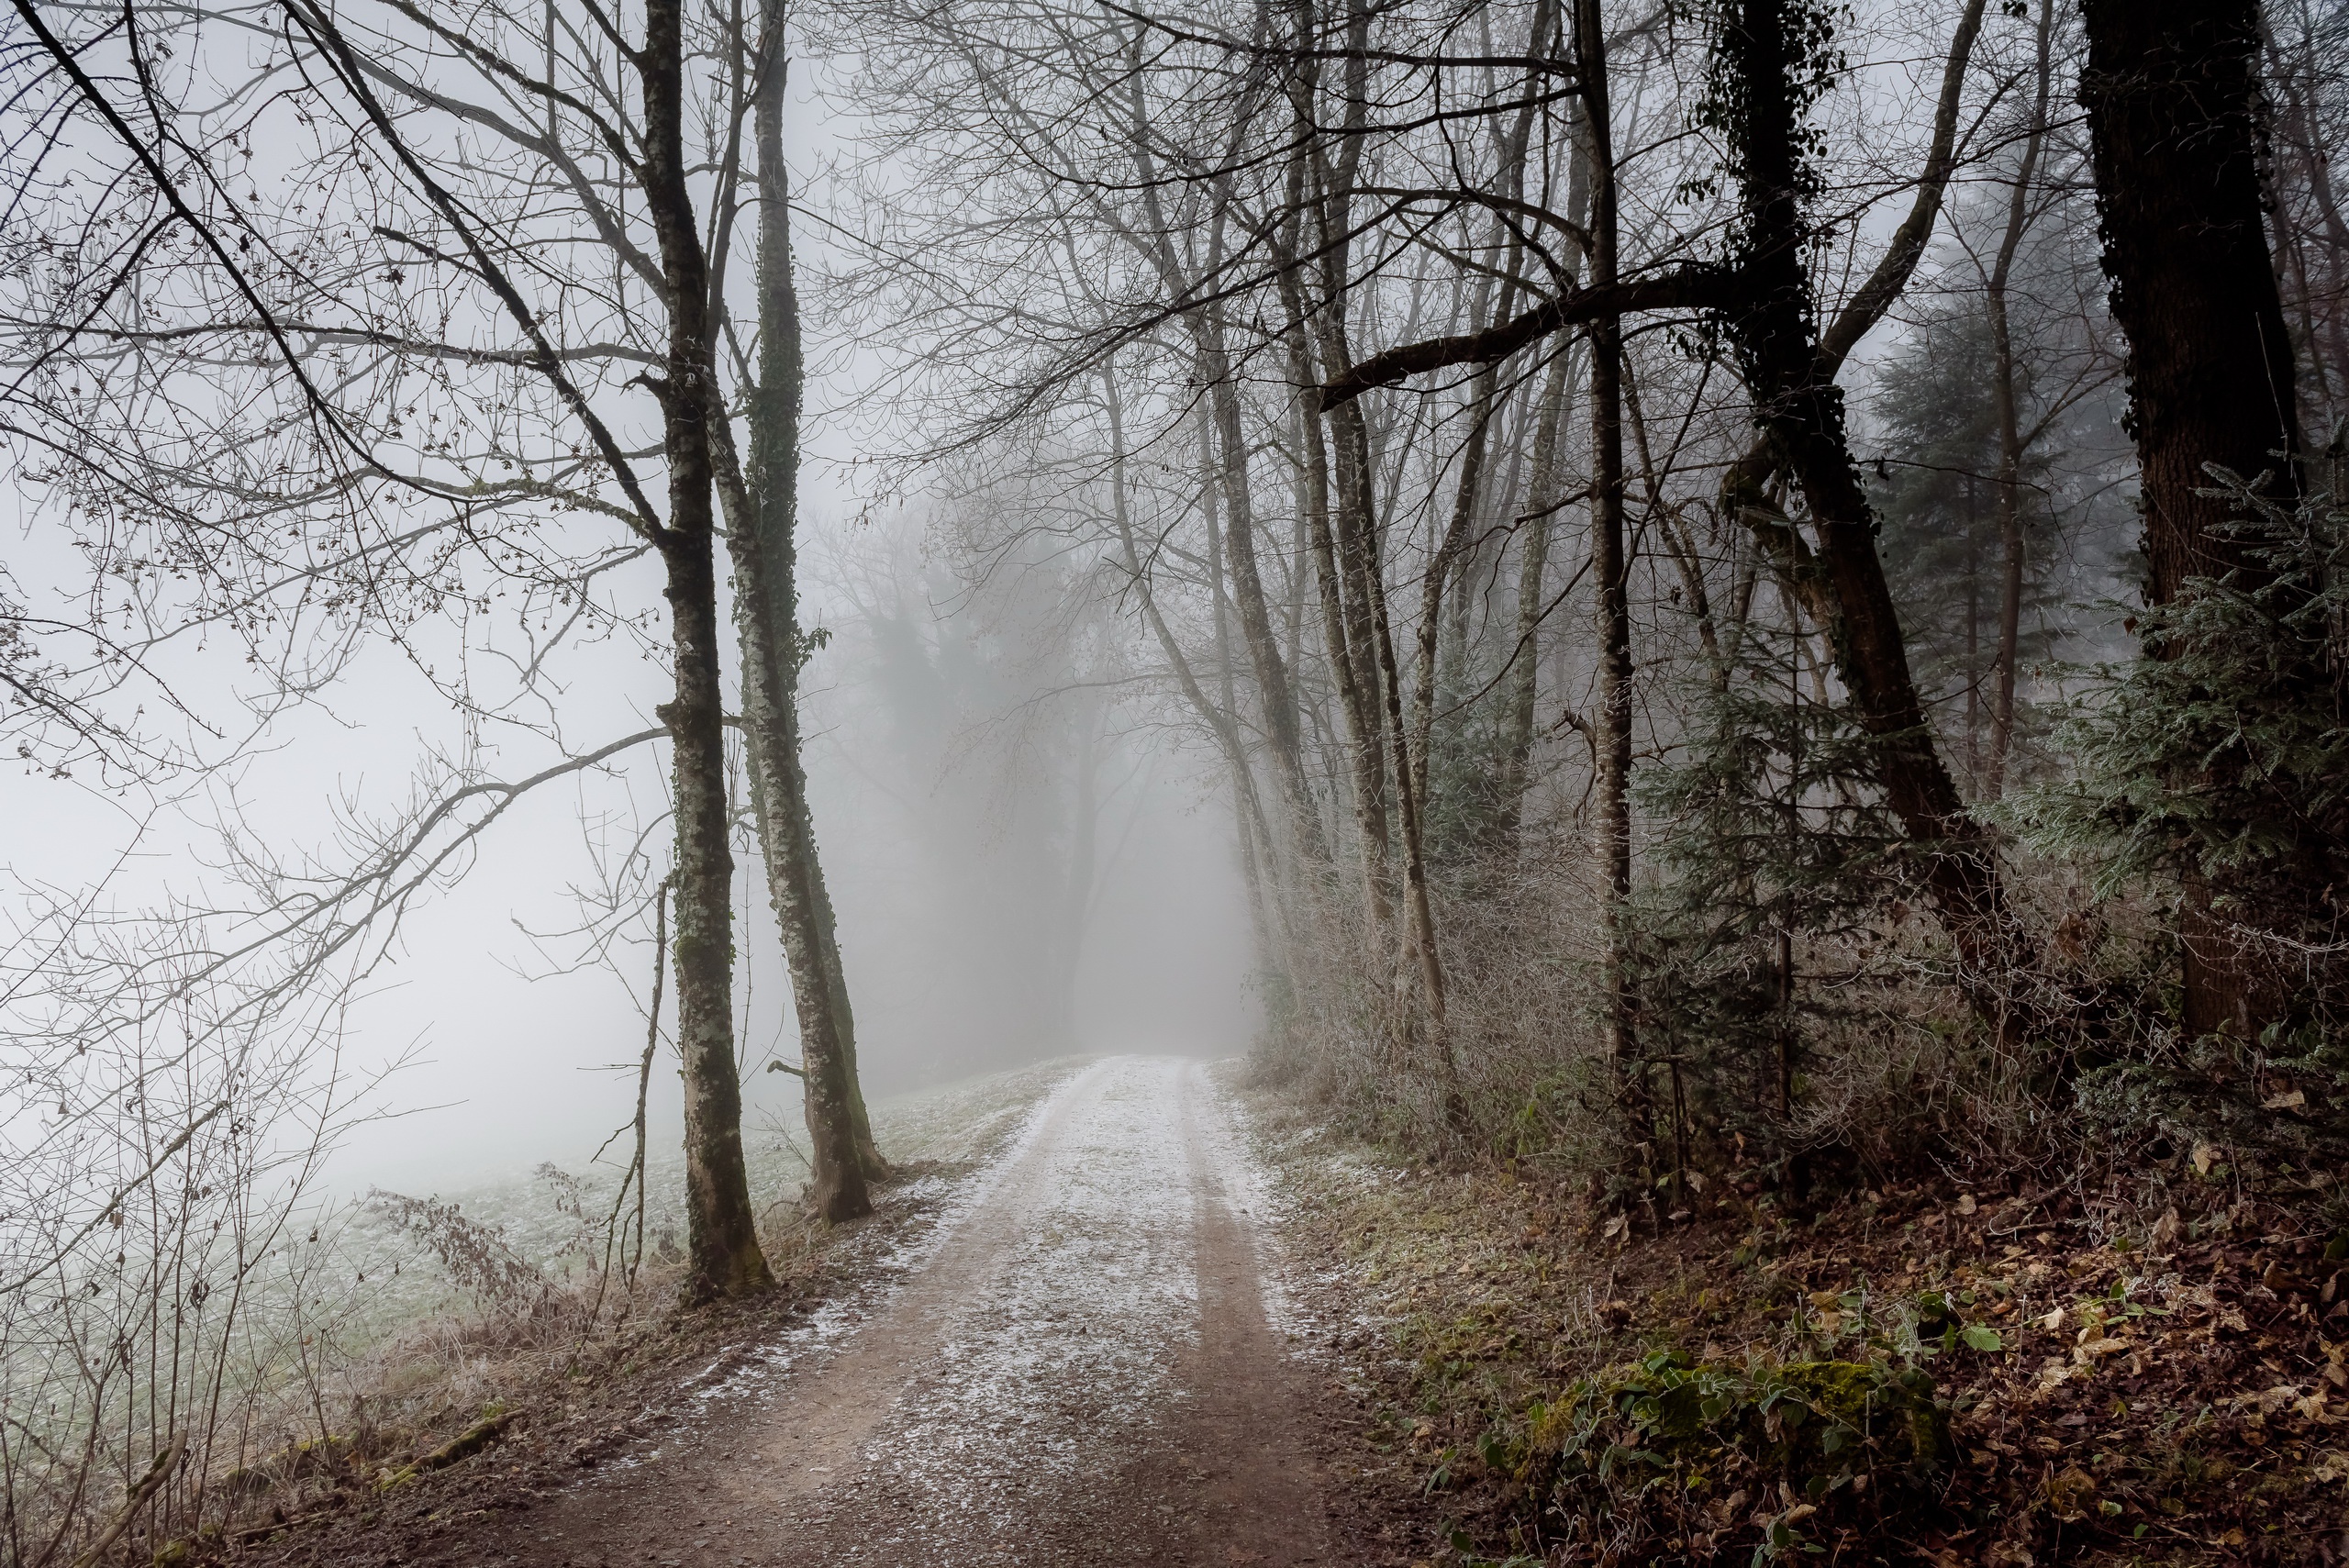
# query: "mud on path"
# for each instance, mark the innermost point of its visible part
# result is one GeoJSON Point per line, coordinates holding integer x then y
{"type": "Point", "coordinates": [1082, 1371]}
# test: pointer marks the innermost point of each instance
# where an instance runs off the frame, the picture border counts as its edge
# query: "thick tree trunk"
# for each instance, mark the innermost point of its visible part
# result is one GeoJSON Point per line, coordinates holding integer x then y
{"type": "Point", "coordinates": [868, 1153]}
{"type": "Point", "coordinates": [1355, 558]}
{"type": "Point", "coordinates": [723, 1257]}
{"type": "Point", "coordinates": [2174, 126]}
{"type": "Point", "coordinates": [1799, 413]}
{"type": "Point", "coordinates": [2173, 117]}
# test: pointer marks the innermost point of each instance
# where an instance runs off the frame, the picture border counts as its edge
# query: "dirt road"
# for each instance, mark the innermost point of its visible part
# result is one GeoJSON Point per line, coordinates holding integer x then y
{"type": "Point", "coordinates": [1080, 1370]}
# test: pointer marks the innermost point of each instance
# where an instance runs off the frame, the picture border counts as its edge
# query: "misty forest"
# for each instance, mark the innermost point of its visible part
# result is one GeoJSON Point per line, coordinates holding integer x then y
{"type": "Point", "coordinates": [1056, 782]}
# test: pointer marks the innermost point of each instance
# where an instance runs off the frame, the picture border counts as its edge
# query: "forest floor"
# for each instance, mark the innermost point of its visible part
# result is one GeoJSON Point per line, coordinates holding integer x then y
{"type": "Point", "coordinates": [2141, 1370]}
{"type": "Point", "coordinates": [1080, 1353]}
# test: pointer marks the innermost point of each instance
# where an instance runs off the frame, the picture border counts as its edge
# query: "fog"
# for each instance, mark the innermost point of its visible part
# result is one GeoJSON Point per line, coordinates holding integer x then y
{"type": "Point", "coordinates": [1027, 860]}
{"type": "Point", "coordinates": [675, 666]}
{"type": "Point", "coordinates": [950, 745]}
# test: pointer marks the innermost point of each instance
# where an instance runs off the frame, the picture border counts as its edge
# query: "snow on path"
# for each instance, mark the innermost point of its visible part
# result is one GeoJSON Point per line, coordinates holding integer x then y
{"type": "Point", "coordinates": [1079, 1369]}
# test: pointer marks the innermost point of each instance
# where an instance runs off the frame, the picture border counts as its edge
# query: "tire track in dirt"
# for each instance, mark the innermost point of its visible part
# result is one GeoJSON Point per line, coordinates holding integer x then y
{"type": "Point", "coordinates": [1082, 1372]}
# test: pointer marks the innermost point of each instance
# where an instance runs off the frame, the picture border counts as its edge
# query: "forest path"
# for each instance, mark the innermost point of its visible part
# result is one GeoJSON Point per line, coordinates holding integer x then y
{"type": "Point", "coordinates": [1081, 1371]}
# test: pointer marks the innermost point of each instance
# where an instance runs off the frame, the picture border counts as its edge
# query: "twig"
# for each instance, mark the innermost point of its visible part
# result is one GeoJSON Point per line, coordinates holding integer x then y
{"type": "Point", "coordinates": [157, 1474]}
{"type": "Point", "coordinates": [173, 1147]}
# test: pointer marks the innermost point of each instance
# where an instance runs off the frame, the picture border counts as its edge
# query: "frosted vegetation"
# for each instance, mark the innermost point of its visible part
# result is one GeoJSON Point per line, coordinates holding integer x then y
{"type": "Point", "coordinates": [1737, 594]}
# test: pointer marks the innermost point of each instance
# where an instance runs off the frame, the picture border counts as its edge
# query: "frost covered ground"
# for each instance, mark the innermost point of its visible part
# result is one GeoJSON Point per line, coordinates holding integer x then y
{"type": "Point", "coordinates": [379, 1282]}
{"type": "Point", "coordinates": [1074, 1365]}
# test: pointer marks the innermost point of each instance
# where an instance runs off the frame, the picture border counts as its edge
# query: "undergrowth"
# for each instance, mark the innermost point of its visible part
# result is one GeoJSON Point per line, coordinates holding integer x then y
{"type": "Point", "coordinates": [2130, 1369]}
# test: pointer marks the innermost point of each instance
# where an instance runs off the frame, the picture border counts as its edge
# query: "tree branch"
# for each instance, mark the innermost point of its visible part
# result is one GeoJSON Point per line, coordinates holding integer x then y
{"type": "Point", "coordinates": [1690, 288]}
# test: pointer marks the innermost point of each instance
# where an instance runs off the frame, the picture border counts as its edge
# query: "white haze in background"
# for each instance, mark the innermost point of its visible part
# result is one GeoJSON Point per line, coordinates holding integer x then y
{"type": "Point", "coordinates": [506, 1046]}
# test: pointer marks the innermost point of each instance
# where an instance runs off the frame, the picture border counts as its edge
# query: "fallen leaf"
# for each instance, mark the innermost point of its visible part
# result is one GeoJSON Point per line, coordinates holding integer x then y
{"type": "Point", "coordinates": [2291, 1100]}
{"type": "Point", "coordinates": [2205, 1156]}
{"type": "Point", "coordinates": [2071, 1492]}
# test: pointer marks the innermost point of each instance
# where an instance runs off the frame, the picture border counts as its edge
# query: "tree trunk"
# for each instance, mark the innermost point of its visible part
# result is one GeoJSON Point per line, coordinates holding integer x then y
{"type": "Point", "coordinates": [1361, 584]}
{"type": "Point", "coordinates": [1610, 565]}
{"type": "Point", "coordinates": [2174, 133]}
{"type": "Point", "coordinates": [2004, 394]}
{"type": "Point", "coordinates": [868, 1153]}
{"type": "Point", "coordinates": [723, 1256]}
{"type": "Point", "coordinates": [1313, 501]}
{"type": "Point", "coordinates": [1799, 412]}
{"type": "Point", "coordinates": [2173, 118]}
{"type": "Point", "coordinates": [1442, 567]}
{"type": "Point", "coordinates": [765, 562]}
{"type": "Point", "coordinates": [2302, 81]}
{"type": "Point", "coordinates": [1273, 934]}
{"type": "Point", "coordinates": [1544, 496]}
{"type": "Point", "coordinates": [1524, 676]}
{"type": "Point", "coordinates": [1355, 561]}
{"type": "Point", "coordinates": [1331, 493]}
{"type": "Point", "coordinates": [1275, 693]}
